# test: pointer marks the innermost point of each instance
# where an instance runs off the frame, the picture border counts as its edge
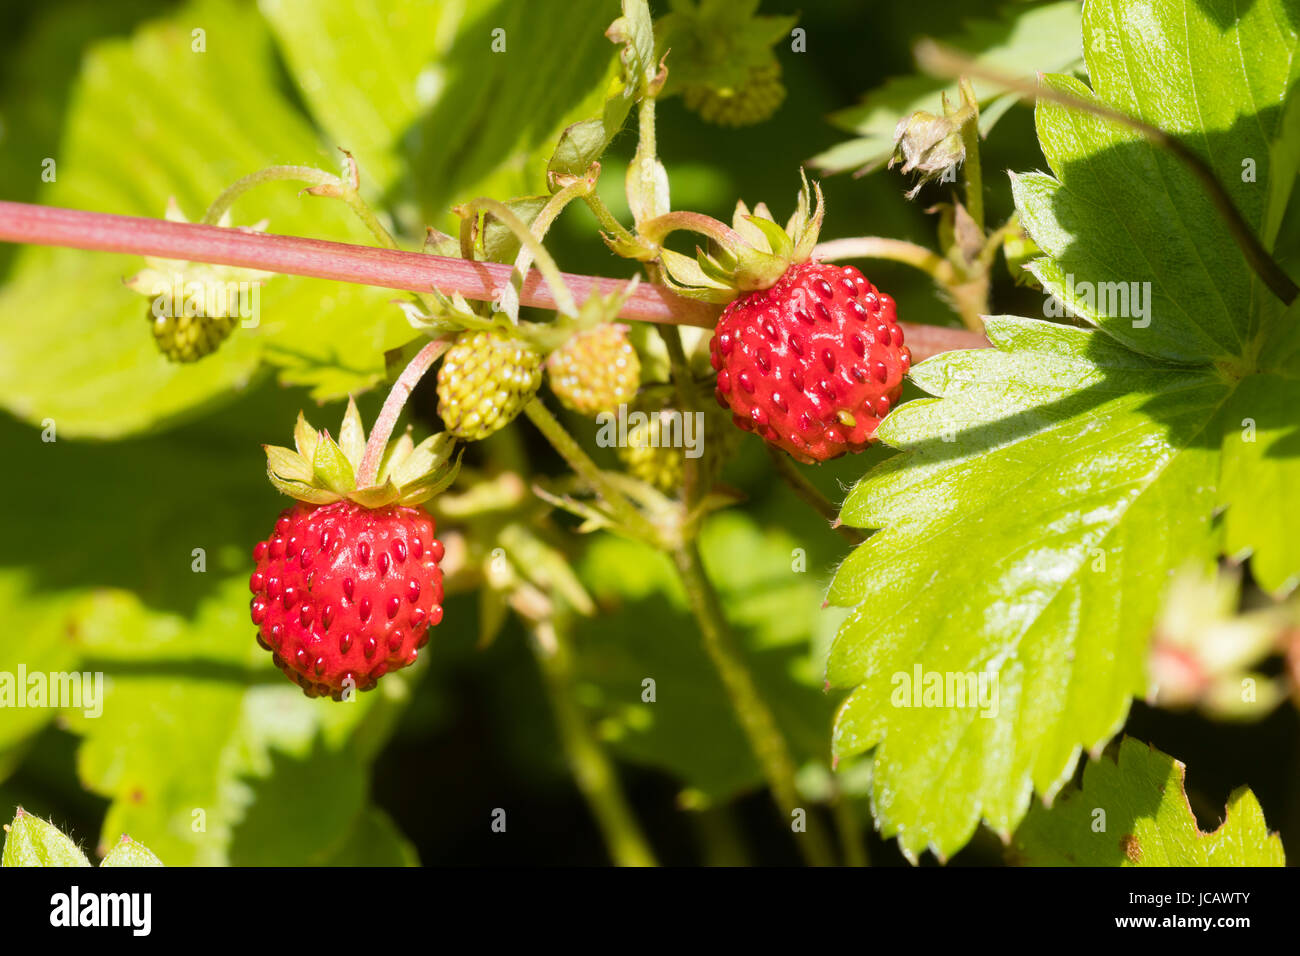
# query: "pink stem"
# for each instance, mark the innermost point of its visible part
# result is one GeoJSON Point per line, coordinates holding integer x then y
{"type": "Point", "coordinates": [368, 473]}
{"type": "Point", "coordinates": [367, 265]}
{"type": "Point", "coordinates": [293, 255]}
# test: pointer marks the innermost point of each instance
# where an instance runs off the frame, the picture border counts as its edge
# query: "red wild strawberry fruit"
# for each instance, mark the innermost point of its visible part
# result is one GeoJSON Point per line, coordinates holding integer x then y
{"type": "Point", "coordinates": [347, 585]}
{"type": "Point", "coordinates": [813, 363]}
{"type": "Point", "coordinates": [809, 356]}
{"type": "Point", "coordinates": [343, 594]}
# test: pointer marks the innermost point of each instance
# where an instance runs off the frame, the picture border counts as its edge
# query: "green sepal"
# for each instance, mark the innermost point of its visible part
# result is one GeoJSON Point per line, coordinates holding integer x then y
{"type": "Point", "coordinates": [687, 278]}
{"type": "Point", "coordinates": [304, 438]}
{"type": "Point", "coordinates": [751, 254]}
{"type": "Point", "coordinates": [424, 458]}
{"type": "Point", "coordinates": [439, 480]}
{"type": "Point", "coordinates": [396, 453]}
{"type": "Point", "coordinates": [303, 491]}
{"type": "Point", "coordinates": [778, 239]}
{"type": "Point", "coordinates": [352, 436]}
{"type": "Point", "coordinates": [376, 496]}
{"type": "Point", "coordinates": [286, 464]}
{"type": "Point", "coordinates": [407, 473]}
{"type": "Point", "coordinates": [332, 468]}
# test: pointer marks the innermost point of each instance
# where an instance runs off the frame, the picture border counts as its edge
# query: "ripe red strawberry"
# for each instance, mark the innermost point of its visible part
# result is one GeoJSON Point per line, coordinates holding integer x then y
{"type": "Point", "coordinates": [813, 363]}
{"type": "Point", "coordinates": [810, 356]}
{"type": "Point", "coordinates": [348, 584]}
{"type": "Point", "coordinates": [343, 594]}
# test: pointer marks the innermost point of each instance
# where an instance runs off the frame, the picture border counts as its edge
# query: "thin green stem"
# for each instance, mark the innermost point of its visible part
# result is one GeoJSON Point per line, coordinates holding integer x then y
{"type": "Point", "coordinates": [543, 222]}
{"type": "Point", "coordinates": [586, 469]}
{"type": "Point", "coordinates": [852, 845]}
{"type": "Point", "coordinates": [684, 386]}
{"type": "Point", "coordinates": [301, 174]}
{"type": "Point", "coordinates": [545, 263]}
{"type": "Point", "coordinates": [970, 137]}
{"type": "Point", "coordinates": [319, 183]}
{"type": "Point", "coordinates": [592, 769]}
{"type": "Point", "coordinates": [808, 493]}
{"type": "Point", "coordinates": [760, 727]}
{"type": "Point", "coordinates": [896, 250]}
{"type": "Point", "coordinates": [608, 221]}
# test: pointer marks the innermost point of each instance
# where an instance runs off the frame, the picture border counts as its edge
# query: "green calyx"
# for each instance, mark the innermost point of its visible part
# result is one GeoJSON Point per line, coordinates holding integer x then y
{"type": "Point", "coordinates": [194, 306]}
{"type": "Point", "coordinates": [320, 470]}
{"type": "Point", "coordinates": [750, 254]}
{"type": "Point", "coordinates": [932, 145]}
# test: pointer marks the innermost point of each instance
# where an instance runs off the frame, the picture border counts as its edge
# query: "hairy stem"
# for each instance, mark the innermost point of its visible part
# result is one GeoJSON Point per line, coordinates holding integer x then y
{"type": "Point", "coordinates": [608, 221]}
{"type": "Point", "coordinates": [317, 258]}
{"type": "Point", "coordinates": [852, 845]}
{"type": "Point", "coordinates": [760, 727]}
{"type": "Point", "coordinates": [368, 473]}
{"type": "Point", "coordinates": [300, 174]}
{"type": "Point", "coordinates": [896, 250]}
{"type": "Point", "coordinates": [970, 138]}
{"type": "Point", "coordinates": [943, 61]}
{"type": "Point", "coordinates": [808, 493]}
{"type": "Point", "coordinates": [592, 769]}
{"type": "Point", "coordinates": [546, 265]}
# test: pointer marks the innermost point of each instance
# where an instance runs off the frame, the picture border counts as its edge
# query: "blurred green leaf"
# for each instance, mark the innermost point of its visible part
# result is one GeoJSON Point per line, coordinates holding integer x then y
{"type": "Point", "coordinates": [1133, 811]}
{"type": "Point", "coordinates": [646, 631]}
{"type": "Point", "coordinates": [206, 751]}
{"type": "Point", "coordinates": [366, 69]}
{"type": "Point", "coordinates": [493, 125]}
{"type": "Point", "coordinates": [76, 344]}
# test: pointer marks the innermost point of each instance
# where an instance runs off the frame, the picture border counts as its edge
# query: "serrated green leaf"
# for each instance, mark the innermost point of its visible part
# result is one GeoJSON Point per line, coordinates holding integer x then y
{"type": "Point", "coordinates": [1023, 41]}
{"type": "Point", "coordinates": [1125, 216]}
{"type": "Point", "coordinates": [1027, 533]}
{"type": "Point", "coordinates": [1133, 811]}
{"type": "Point", "coordinates": [31, 841]}
{"type": "Point", "coordinates": [1261, 471]}
{"type": "Point", "coordinates": [128, 852]}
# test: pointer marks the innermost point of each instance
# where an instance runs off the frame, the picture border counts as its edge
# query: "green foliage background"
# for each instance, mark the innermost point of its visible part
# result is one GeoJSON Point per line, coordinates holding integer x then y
{"type": "Point", "coordinates": [196, 719]}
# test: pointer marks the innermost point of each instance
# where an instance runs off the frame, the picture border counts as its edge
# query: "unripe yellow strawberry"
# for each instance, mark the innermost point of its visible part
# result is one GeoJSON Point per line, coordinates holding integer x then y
{"type": "Point", "coordinates": [596, 370]}
{"type": "Point", "coordinates": [648, 456]}
{"type": "Point", "coordinates": [485, 380]}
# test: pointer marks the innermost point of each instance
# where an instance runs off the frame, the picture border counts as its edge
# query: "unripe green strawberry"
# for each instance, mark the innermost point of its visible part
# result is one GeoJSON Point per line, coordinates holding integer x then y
{"type": "Point", "coordinates": [195, 306]}
{"type": "Point", "coordinates": [644, 456]}
{"type": "Point", "coordinates": [596, 370]}
{"type": "Point", "coordinates": [751, 102]}
{"type": "Point", "coordinates": [485, 380]}
{"type": "Point", "coordinates": [188, 338]}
